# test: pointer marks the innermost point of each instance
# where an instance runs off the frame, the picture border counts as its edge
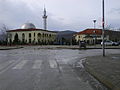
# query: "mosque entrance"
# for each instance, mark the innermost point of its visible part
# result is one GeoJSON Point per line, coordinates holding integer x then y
{"type": "Point", "coordinates": [16, 39]}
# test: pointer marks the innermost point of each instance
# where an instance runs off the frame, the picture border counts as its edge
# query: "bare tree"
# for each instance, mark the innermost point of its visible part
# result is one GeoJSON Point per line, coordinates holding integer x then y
{"type": "Point", "coordinates": [3, 34]}
{"type": "Point", "coordinates": [109, 27]}
{"type": "Point", "coordinates": [118, 29]}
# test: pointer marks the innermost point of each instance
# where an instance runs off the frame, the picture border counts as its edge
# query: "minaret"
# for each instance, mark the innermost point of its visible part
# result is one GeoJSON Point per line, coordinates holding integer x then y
{"type": "Point", "coordinates": [45, 19]}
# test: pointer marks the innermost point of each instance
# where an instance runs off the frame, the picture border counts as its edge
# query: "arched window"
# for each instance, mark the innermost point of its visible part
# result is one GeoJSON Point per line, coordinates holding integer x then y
{"type": "Point", "coordinates": [16, 39]}
{"type": "Point", "coordinates": [29, 35]}
{"type": "Point", "coordinates": [50, 35]}
{"type": "Point", "coordinates": [43, 34]}
{"type": "Point", "coordinates": [23, 37]}
{"type": "Point", "coordinates": [38, 36]}
{"type": "Point", "coordinates": [34, 34]}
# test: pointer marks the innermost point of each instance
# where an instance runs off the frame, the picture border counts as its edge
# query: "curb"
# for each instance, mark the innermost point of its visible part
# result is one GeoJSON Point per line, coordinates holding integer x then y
{"type": "Point", "coordinates": [104, 80]}
{"type": "Point", "coordinates": [11, 48]}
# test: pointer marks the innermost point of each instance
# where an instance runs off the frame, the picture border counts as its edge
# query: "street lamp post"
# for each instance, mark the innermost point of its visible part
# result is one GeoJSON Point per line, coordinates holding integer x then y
{"type": "Point", "coordinates": [94, 23]}
{"type": "Point", "coordinates": [95, 37]}
{"type": "Point", "coordinates": [103, 24]}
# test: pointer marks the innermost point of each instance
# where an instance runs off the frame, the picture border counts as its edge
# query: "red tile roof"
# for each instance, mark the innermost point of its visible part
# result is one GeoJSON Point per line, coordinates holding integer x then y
{"type": "Point", "coordinates": [91, 31]}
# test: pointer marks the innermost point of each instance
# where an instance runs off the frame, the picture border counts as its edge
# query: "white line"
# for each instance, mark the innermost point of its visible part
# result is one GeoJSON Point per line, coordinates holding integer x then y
{"type": "Point", "coordinates": [3, 65]}
{"type": "Point", "coordinates": [61, 69]}
{"type": "Point", "coordinates": [9, 66]}
{"type": "Point", "coordinates": [20, 65]}
{"type": "Point", "coordinates": [53, 64]}
{"type": "Point", "coordinates": [37, 64]}
{"type": "Point", "coordinates": [79, 78]}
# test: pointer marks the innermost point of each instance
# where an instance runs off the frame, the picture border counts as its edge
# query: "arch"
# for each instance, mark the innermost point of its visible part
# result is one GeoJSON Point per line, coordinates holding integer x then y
{"type": "Point", "coordinates": [29, 37]}
{"type": "Point", "coordinates": [43, 35]}
{"type": "Point", "coordinates": [50, 35]}
{"type": "Point", "coordinates": [34, 34]}
{"type": "Point", "coordinates": [23, 37]}
{"type": "Point", "coordinates": [16, 39]}
{"type": "Point", "coordinates": [38, 37]}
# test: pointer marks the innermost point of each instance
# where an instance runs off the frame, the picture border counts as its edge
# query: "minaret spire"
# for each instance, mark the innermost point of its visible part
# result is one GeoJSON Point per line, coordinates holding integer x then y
{"type": "Point", "coordinates": [45, 19]}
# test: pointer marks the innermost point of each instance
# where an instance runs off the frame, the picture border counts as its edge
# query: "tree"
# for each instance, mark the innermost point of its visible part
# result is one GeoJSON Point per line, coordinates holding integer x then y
{"type": "Point", "coordinates": [3, 34]}
{"type": "Point", "coordinates": [109, 27]}
{"type": "Point", "coordinates": [118, 29]}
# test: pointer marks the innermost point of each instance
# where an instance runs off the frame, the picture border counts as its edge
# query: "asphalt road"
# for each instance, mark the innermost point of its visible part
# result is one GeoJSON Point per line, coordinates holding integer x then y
{"type": "Point", "coordinates": [32, 68]}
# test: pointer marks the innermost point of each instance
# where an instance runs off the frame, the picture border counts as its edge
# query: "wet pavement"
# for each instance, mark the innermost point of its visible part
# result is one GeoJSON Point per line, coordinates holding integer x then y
{"type": "Point", "coordinates": [31, 68]}
{"type": "Point", "coordinates": [105, 69]}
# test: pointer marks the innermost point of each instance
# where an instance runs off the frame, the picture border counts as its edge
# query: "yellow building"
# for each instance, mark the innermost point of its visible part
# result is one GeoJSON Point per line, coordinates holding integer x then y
{"type": "Point", "coordinates": [91, 36]}
{"type": "Point", "coordinates": [28, 34]}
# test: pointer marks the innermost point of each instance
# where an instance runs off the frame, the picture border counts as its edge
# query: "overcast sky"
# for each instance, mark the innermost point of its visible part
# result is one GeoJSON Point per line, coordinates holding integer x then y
{"type": "Point", "coordinates": [73, 15]}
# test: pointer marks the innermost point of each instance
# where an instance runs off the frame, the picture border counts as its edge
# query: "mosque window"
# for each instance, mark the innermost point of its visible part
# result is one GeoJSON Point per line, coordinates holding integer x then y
{"type": "Point", "coordinates": [39, 36]}
{"type": "Point", "coordinates": [23, 37]}
{"type": "Point", "coordinates": [50, 35]}
{"type": "Point", "coordinates": [29, 34]}
{"type": "Point", "coordinates": [34, 34]}
{"type": "Point", "coordinates": [43, 34]}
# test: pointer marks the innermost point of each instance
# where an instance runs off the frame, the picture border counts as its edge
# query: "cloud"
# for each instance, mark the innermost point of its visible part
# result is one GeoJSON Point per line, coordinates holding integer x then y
{"type": "Point", "coordinates": [62, 14]}
{"type": "Point", "coordinates": [15, 14]}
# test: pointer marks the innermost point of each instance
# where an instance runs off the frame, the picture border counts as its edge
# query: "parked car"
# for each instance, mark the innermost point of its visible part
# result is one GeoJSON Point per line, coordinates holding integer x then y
{"type": "Point", "coordinates": [115, 44]}
{"type": "Point", "coordinates": [118, 42]}
{"type": "Point", "coordinates": [82, 44]}
{"type": "Point", "coordinates": [110, 43]}
{"type": "Point", "coordinates": [107, 43]}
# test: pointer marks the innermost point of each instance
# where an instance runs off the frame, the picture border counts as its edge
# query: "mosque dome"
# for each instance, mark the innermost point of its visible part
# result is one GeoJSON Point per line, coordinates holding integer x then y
{"type": "Point", "coordinates": [28, 26]}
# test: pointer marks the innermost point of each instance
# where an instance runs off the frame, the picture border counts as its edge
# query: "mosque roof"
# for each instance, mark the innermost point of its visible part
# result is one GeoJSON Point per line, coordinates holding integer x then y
{"type": "Point", "coordinates": [20, 30]}
{"type": "Point", "coordinates": [28, 26]}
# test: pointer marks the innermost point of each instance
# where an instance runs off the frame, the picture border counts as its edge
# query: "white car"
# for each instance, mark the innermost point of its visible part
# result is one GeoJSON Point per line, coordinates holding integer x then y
{"type": "Point", "coordinates": [107, 43]}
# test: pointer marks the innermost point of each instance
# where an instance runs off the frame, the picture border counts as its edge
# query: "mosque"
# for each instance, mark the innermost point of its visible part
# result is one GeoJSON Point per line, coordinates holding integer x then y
{"type": "Point", "coordinates": [29, 34]}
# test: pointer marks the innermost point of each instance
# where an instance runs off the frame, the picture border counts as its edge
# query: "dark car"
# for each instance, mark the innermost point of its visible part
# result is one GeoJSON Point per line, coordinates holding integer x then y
{"type": "Point", "coordinates": [82, 44]}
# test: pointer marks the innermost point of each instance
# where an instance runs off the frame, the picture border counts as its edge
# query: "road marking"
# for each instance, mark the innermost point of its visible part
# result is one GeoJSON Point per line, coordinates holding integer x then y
{"type": "Point", "coordinates": [80, 63]}
{"type": "Point", "coordinates": [79, 78]}
{"type": "Point", "coordinates": [3, 65]}
{"type": "Point", "coordinates": [37, 64]}
{"type": "Point", "coordinates": [20, 65]}
{"type": "Point", "coordinates": [53, 64]}
{"type": "Point", "coordinates": [9, 66]}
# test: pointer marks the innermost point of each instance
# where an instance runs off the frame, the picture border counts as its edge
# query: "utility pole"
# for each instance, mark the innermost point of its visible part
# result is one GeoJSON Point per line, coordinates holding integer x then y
{"type": "Point", "coordinates": [103, 31]}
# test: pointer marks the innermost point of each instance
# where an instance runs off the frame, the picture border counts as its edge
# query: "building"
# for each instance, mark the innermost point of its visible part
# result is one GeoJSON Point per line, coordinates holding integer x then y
{"type": "Point", "coordinates": [28, 34]}
{"type": "Point", "coordinates": [94, 36]}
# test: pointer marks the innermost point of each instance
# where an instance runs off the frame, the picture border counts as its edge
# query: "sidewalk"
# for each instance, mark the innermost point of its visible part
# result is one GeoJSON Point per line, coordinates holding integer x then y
{"type": "Point", "coordinates": [58, 47]}
{"type": "Point", "coordinates": [105, 69]}
{"type": "Point", "coordinates": [9, 47]}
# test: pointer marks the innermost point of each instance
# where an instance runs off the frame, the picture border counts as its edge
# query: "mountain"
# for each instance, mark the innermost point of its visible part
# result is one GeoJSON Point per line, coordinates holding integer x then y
{"type": "Point", "coordinates": [65, 37]}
